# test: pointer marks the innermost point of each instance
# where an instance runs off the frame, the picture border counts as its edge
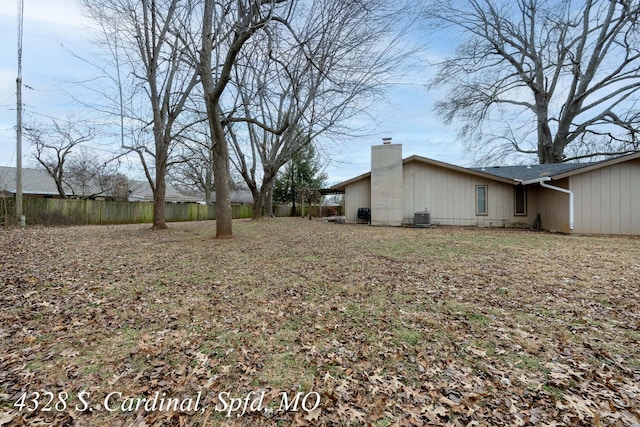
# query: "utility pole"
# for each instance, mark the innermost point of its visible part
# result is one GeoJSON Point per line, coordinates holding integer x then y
{"type": "Point", "coordinates": [19, 215]}
{"type": "Point", "coordinates": [19, 153]}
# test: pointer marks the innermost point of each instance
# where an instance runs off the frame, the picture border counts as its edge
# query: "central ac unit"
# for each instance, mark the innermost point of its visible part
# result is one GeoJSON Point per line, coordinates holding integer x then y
{"type": "Point", "coordinates": [422, 218]}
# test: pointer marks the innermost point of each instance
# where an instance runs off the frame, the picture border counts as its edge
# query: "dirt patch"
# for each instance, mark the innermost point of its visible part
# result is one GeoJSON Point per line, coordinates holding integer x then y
{"type": "Point", "coordinates": [365, 325]}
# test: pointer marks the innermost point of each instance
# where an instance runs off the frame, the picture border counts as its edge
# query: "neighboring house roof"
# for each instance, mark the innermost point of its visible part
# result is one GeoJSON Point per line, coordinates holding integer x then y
{"type": "Point", "coordinates": [34, 181]}
{"type": "Point", "coordinates": [237, 196]}
{"type": "Point", "coordinates": [140, 191]}
{"type": "Point", "coordinates": [512, 174]}
{"type": "Point", "coordinates": [38, 181]}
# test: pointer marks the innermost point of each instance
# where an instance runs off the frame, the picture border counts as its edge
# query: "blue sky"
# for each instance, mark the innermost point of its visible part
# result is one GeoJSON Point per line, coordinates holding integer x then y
{"type": "Point", "coordinates": [52, 28]}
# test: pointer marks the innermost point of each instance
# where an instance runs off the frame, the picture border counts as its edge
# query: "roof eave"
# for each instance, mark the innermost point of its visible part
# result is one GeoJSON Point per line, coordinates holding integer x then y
{"type": "Point", "coordinates": [535, 180]}
{"type": "Point", "coordinates": [341, 186]}
{"type": "Point", "coordinates": [598, 165]}
{"type": "Point", "coordinates": [460, 169]}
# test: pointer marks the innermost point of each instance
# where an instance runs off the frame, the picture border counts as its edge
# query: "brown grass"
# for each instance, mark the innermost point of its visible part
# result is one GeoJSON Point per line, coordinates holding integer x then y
{"type": "Point", "coordinates": [389, 326]}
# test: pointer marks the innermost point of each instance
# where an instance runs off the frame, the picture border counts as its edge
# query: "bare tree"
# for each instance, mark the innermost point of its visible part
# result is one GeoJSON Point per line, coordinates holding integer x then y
{"type": "Point", "coordinates": [195, 173]}
{"type": "Point", "coordinates": [306, 78]}
{"type": "Point", "coordinates": [152, 36]}
{"type": "Point", "coordinates": [260, 130]}
{"type": "Point", "coordinates": [88, 176]}
{"type": "Point", "coordinates": [192, 167]}
{"type": "Point", "coordinates": [226, 27]}
{"type": "Point", "coordinates": [53, 147]}
{"type": "Point", "coordinates": [194, 170]}
{"type": "Point", "coordinates": [555, 79]}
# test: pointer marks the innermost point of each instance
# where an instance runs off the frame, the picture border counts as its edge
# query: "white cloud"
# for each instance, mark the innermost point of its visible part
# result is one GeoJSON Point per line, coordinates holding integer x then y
{"type": "Point", "coordinates": [60, 13]}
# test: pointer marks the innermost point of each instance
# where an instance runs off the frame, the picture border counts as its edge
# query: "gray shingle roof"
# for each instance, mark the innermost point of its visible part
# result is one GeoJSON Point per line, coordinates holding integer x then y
{"type": "Point", "coordinates": [38, 181]}
{"type": "Point", "coordinates": [34, 181]}
{"type": "Point", "coordinates": [514, 174]}
{"type": "Point", "coordinates": [524, 173]}
{"type": "Point", "coordinates": [141, 191]}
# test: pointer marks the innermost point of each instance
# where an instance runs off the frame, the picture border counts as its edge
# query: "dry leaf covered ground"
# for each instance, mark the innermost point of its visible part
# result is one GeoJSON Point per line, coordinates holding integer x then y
{"type": "Point", "coordinates": [119, 325]}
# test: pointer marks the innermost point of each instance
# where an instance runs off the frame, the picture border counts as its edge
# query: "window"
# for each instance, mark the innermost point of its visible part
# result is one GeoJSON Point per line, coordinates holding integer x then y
{"type": "Point", "coordinates": [520, 200]}
{"type": "Point", "coordinates": [482, 207]}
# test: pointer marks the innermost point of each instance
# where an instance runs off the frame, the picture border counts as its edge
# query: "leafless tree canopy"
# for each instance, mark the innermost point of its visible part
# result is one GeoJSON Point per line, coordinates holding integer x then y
{"type": "Point", "coordinates": [226, 27]}
{"type": "Point", "coordinates": [551, 78]}
{"type": "Point", "coordinates": [192, 171]}
{"type": "Point", "coordinates": [305, 78]}
{"type": "Point", "coordinates": [265, 72]}
{"type": "Point", "coordinates": [77, 172]}
{"type": "Point", "coordinates": [88, 176]}
{"type": "Point", "coordinates": [53, 147]}
{"type": "Point", "coordinates": [149, 41]}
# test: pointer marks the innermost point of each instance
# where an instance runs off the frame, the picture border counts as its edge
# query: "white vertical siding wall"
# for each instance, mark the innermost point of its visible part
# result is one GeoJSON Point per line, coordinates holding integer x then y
{"type": "Point", "coordinates": [607, 200]}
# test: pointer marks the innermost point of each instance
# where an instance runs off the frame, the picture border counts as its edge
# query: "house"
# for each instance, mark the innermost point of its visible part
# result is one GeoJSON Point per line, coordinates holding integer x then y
{"type": "Point", "coordinates": [239, 197]}
{"type": "Point", "coordinates": [38, 183]}
{"type": "Point", "coordinates": [592, 198]}
{"type": "Point", "coordinates": [140, 191]}
{"type": "Point", "coordinates": [35, 183]}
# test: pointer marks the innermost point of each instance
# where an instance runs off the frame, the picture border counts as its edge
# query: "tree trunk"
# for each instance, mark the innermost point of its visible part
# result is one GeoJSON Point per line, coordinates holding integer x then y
{"type": "Point", "coordinates": [212, 93]}
{"type": "Point", "coordinates": [61, 192]}
{"type": "Point", "coordinates": [224, 217]}
{"type": "Point", "coordinates": [550, 152]}
{"type": "Point", "coordinates": [546, 148]}
{"type": "Point", "coordinates": [158, 203]}
{"type": "Point", "coordinates": [160, 188]}
{"type": "Point", "coordinates": [208, 179]}
{"type": "Point", "coordinates": [293, 191]}
{"type": "Point", "coordinates": [262, 201]}
{"type": "Point", "coordinates": [258, 203]}
{"type": "Point", "coordinates": [268, 202]}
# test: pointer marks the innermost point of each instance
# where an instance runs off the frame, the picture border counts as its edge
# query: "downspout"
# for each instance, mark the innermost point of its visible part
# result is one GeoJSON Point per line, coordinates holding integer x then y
{"type": "Point", "coordinates": [543, 182]}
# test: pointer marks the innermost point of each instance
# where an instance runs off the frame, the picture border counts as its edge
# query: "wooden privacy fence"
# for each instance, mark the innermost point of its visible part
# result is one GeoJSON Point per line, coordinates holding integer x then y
{"type": "Point", "coordinates": [316, 211]}
{"type": "Point", "coordinates": [99, 212]}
